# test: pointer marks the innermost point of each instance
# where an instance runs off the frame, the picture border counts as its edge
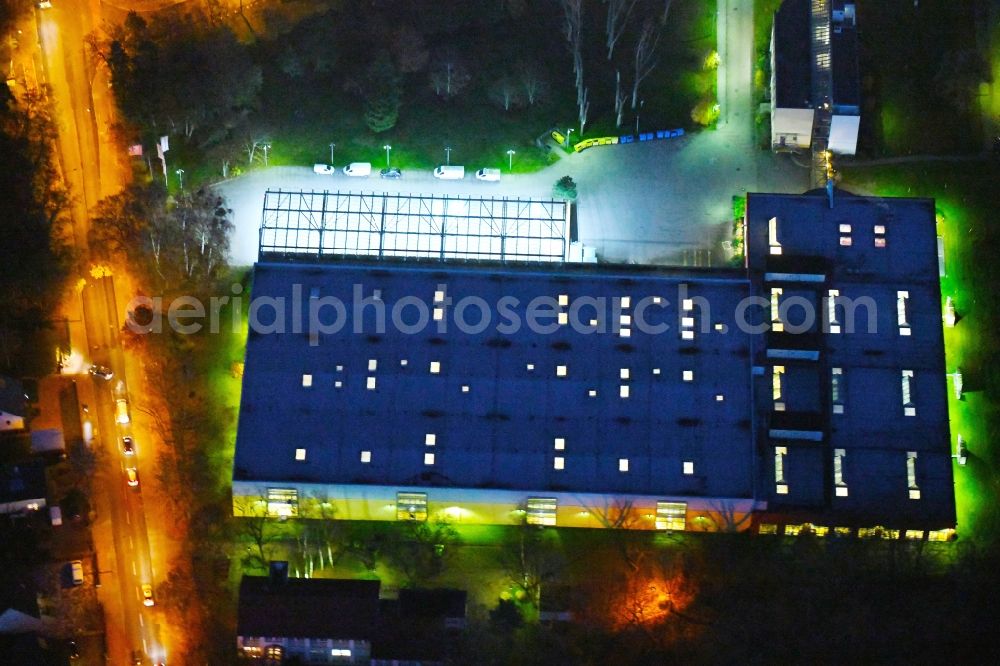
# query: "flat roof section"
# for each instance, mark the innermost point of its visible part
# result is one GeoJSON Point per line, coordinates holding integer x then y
{"type": "Point", "coordinates": [792, 56]}
{"type": "Point", "coordinates": [620, 411]}
{"type": "Point", "coordinates": [400, 225]}
{"type": "Point", "coordinates": [844, 239]}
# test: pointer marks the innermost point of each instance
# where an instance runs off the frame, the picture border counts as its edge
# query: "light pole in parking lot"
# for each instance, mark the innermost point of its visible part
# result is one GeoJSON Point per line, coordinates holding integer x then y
{"type": "Point", "coordinates": [387, 149]}
{"type": "Point", "coordinates": [568, 132]}
{"type": "Point", "coordinates": [642, 103]}
{"type": "Point", "coordinates": [180, 176]}
{"type": "Point", "coordinates": [447, 154]}
{"type": "Point", "coordinates": [510, 159]}
{"type": "Point", "coordinates": [332, 146]}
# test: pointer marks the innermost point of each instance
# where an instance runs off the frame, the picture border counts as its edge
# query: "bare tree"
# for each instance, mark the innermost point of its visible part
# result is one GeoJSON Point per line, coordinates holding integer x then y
{"type": "Point", "coordinates": [645, 56]}
{"type": "Point", "coordinates": [573, 30]}
{"type": "Point", "coordinates": [620, 97]}
{"type": "Point", "coordinates": [617, 19]}
{"type": "Point", "coordinates": [506, 93]}
{"type": "Point", "coordinates": [532, 82]}
{"type": "Point", "coordinates": [251, 146]}
{"type": "Point", "coordinates": [531, 559]}
{"type": "Point", "coordinates": [449, 75]}
{"type": "Point", "coordinates": [254, 526]}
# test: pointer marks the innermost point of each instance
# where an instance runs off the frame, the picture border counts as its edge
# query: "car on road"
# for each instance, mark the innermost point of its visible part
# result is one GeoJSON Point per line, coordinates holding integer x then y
{"type": "Point", "coordinates": [128, 446]}
{"type": "Point", "coordinates": [45, 4]}
{"type": "Point", "coordinates": [121, 411]}
{"type": "Point", "coordinates": [491, 175]}
{"type": "Point", "coordinates": [391, 172]}
{"type": "Point", "coordinates": [147, 595]}
{"type": "Point", "coordinates": [323, 169]}
{"type": "Point", "coordinates": [132, 476]}
{"type": "Point", "coordinates": [358, 169]}
{"type": "Point", "coordinates": [101, 371]}
{"type": "Point", "coordinates": [76, 570]}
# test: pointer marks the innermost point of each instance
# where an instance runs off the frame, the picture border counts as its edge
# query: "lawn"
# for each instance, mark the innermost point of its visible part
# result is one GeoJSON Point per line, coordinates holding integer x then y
{"type": "Point", "coordinates": [965, 198]}
{"type": "Point", "coordinates": [903, 48]}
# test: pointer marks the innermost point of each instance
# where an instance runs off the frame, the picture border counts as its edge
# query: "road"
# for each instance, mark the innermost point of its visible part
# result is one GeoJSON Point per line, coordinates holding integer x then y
{"type": "Point", "coordinates": [82, 110]}
{"type": "Point", "coordinates": [659, 202]}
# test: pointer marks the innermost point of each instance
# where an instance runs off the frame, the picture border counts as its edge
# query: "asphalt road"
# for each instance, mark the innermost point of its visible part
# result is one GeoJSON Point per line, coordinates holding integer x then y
{"type": "Point", "coordinates": [82, 112]}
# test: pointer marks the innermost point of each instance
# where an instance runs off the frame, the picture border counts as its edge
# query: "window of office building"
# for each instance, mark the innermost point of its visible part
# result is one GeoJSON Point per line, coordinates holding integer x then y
{"type": "Point", "coordinates": [671, 515]}
{"type": "Point", "coordinates": [411, 506]}
{"type": "Point", "coordinates": [282, 502]}
{"type": "Point", "coordinates": [541, 510]}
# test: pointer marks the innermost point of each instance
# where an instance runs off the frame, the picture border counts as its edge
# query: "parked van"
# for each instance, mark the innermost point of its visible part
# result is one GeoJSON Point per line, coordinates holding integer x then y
{"type": "Point", "coordinates": [450, 172]}
{"type": "Point", "coordinates": [358, 169]}
{"type": "Point", "coordinates": [55, 516]}
{"type": "Point", "coordinates": [322, 169]}
{"type": "Point", "coordinates": [492, 175]}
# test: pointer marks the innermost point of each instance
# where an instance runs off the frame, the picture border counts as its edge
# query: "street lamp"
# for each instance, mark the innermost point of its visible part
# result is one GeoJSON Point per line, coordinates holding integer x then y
{"type": "Point", "coordinates": [641, 103]}
{"type": "Point", "coordinates": [568, 132]}
{"type": "Point", "coordinates": [180, 175]}
{"type": "Point", "coordinates": [510, 159]}
{"type": "Point", "coordinates": [266, 147]}
{"type": "Point", "coordinates": [447, 154]}
{"type": "Point", "coordinates": [387, 149]}
{"type": "Point", "coordinates": [332, 146]}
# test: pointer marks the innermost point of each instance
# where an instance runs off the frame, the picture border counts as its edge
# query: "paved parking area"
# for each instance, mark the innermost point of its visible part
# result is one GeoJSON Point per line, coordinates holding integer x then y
{"type": "Point", "coordinates": [661, 202]}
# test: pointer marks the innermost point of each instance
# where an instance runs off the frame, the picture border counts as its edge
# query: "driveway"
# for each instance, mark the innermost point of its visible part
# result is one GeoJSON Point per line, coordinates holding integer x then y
{"type": "Point", "coordinates": [660, 202]}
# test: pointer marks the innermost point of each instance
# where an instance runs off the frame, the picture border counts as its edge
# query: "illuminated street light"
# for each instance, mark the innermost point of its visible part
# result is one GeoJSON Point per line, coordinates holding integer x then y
{"type": "Point", "coordinates": [957, 383]}
{"type": "Point", "coordinates": [180, 176]}
{"type": "Point", "coordinates": [387, 148]}
{"type": "Point", "coordinates": [332, 146]}
{"type": "Point", "coordinates": [961, 452]}
{"type": "Point", "coordinates": [510, 159]}
{"type": "Point", "coordinates": [949, 313]}
{"type": "Point", "coordinates": [642, 103]}
{"type": "Point", "coordinates": [266, 146]}
{"type": "Point", "coordinates": [447, 154]}
{"type": "Point", "coordinates": [568, 132]}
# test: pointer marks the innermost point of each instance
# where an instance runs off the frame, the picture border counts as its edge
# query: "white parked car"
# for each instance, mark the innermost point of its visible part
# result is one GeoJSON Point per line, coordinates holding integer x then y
{"type": "Point", "coordinates": [492, 175]}
{"type": "Point", "coordinates": [358, 169]}
{"type": "Point", "coordinates": [324, 169]}
{"type": "Point", "coordinates": [450, 172]}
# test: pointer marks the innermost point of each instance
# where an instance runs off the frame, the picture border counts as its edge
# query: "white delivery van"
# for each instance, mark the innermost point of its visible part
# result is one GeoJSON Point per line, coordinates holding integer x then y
{"type": "Point", "coordinates": [450, 172]}
{"type": "Point", "coordinates": [492, 175]}
{"type": "Point", "coordinates": [358, 169]}
{"type": "Point", "coordinates": [55, 515]}
{"type": "Point", "coordinates": [322, 168]}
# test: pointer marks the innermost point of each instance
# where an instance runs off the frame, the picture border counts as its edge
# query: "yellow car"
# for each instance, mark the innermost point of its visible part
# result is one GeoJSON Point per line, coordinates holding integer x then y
{"type": "Point", "coordinates": [147, 595]}
{"type": "Point", "coordinates": [132, 475]}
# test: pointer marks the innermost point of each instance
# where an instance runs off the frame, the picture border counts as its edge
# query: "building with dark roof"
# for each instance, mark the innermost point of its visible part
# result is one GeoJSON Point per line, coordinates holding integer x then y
{"type": "Point", "coordinates": [337, 621]}
{"type": "Point", "coordinates": [22, 488]}
{"type": "Point", "coordinates": [13, 405]}
{"type": "Point", "coordinates": [853, 410]}
{"type": "Point", "coordinates": [495, 420]}
{"type": "Point", "coordinates": [319, 620]}
{"type": "Point", "coordinates": [815, 82]}
{"type": "Point", "coordinates": [629, 396]}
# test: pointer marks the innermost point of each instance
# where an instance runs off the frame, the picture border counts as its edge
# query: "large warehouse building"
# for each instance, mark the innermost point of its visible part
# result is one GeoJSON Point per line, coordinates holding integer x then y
{"type": "Point", "coordinates": [613, 396]}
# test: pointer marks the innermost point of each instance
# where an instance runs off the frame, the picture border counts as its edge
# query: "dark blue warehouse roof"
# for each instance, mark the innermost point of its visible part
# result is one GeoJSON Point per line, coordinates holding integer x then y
{"type": "Point", "coordinates": [885, 251]}
{"type": "Point", "coordinates": [498, 401]}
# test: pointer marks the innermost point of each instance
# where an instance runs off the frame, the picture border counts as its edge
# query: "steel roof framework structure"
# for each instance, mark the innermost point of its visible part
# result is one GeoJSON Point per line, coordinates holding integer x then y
{"type": "Point", "coordinates": [403, 225]}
